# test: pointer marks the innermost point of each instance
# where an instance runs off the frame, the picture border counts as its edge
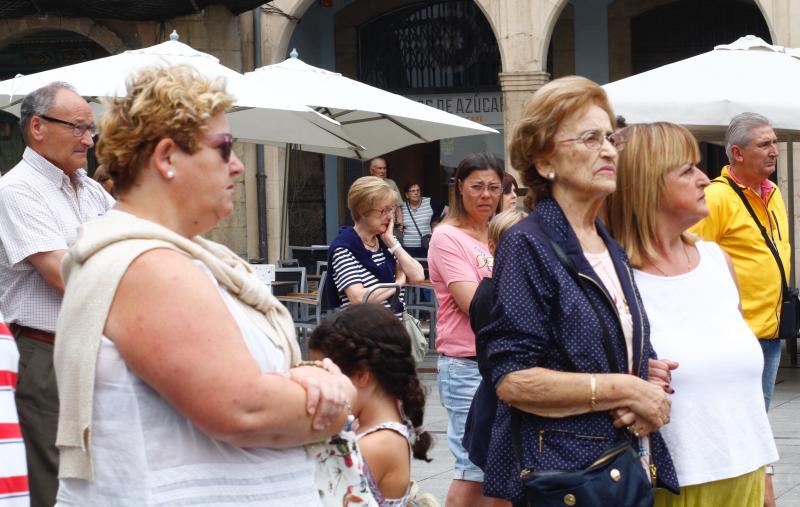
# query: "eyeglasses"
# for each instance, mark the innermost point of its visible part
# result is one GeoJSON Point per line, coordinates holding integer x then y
{"type": "Point", "coordinates": [225, 147]}
{"type": "Point", "coordinates": [385, 212]}
{"type": "Point", "coordinates": [414, 191]}
{"type": "Point", "coordinates": [593, 139]}
{"type": "Point", "coordinates": [479, 188]}
{"type": "Point", "coordinates": [78, 129]}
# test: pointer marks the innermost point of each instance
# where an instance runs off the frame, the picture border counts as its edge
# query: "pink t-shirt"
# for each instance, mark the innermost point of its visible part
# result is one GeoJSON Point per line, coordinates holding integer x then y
{"type": "Point", "coordinates": [455, 256]}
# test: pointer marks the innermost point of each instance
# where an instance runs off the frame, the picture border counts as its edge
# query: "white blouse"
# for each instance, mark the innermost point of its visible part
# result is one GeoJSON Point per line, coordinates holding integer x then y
{"type": "Point", "coordinates": [146, 453]}
{"type": "Point", "coordinates": [719, 427]}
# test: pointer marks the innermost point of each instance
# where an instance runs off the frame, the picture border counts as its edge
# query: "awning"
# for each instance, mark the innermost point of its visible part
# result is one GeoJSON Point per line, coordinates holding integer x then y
{"type": "Point", "coordinates": [131, 10]}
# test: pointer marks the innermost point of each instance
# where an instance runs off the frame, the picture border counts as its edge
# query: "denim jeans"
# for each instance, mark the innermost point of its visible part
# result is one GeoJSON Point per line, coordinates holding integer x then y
{"type": "Point", "coordinates": [458, 381]}
{"type": "Point", "coordinates": [772, 359]}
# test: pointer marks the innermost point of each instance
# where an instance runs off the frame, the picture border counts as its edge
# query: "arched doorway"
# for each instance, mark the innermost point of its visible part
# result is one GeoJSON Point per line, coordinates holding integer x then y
{"type": "Point", "coordinates": [36, 52]}
{"type": "Point", "coordinates": [443, 53]}
{"type": "Point", "coordinates": [681, 29]}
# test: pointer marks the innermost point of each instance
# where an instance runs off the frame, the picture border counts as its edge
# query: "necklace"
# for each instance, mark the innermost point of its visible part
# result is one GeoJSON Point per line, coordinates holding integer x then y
{"type": "Point", "coordinates": [688, 262]}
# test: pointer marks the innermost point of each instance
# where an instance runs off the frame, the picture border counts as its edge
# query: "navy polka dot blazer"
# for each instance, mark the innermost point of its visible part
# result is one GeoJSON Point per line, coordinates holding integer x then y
{"type": "Point", "coordinates": [542, 317]}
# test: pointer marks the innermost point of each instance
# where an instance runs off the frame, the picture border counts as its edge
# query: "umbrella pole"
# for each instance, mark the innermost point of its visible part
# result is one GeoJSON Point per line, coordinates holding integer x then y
{"type": "Point", "coordinates": [791, 345]}
{"type": "Point", "coordinates": [285, 200]}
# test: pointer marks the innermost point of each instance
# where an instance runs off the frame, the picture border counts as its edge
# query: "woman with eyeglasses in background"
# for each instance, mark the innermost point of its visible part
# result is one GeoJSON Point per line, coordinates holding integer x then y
{"type": "Point", "coordinates": [367, 253]}
{"type": "Point", "coordinates": [458, 259]}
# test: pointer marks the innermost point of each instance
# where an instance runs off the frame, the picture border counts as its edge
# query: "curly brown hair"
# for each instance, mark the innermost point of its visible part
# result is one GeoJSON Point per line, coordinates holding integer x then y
{"type": "Point", "coordinates": [534, 134]}
{"type": "Point", "coordinates": [162, 102]}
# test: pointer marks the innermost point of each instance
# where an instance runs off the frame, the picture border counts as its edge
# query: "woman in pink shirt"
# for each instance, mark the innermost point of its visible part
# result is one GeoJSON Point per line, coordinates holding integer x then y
{"type": "Point", "coordinates": [459, 258]}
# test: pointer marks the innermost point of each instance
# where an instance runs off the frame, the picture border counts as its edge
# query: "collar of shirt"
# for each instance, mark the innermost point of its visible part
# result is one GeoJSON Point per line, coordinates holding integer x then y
{"type": "Point", "coordinates": [766, 185]}
{"type": "Point", "coordinates": [50, 171]}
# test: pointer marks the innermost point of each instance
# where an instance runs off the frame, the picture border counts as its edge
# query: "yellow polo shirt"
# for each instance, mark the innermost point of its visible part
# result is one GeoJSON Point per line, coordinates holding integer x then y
{"type": "Point", "coordinates": [730, 225]}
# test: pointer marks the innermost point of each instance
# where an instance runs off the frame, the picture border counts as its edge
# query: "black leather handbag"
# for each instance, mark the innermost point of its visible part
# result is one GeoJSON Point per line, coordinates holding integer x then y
{"type": "Point", "coordinates": [615, 478]}
{"type": "Point", "coordinates": [789, 325]}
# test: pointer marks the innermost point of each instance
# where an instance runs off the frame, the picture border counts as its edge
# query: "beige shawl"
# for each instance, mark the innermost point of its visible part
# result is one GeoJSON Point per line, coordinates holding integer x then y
{"type": "Point", "coordinates": [92, 270]}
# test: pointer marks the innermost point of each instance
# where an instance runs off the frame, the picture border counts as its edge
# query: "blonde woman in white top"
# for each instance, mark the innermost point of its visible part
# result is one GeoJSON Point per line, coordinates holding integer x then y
{"type": "Point", "coordinates": [719, 435]}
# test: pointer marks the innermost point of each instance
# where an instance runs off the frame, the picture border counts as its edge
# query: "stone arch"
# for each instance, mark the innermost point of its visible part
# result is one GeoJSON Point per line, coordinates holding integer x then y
{"type": "Point", "coordinates": [490, 15]}
{"type": "Point", "coordinates": [281, 26]}
{"type": "Point", "coordinates": [551, 18]}
{"type": "Point", "coordinates": [91, 29]}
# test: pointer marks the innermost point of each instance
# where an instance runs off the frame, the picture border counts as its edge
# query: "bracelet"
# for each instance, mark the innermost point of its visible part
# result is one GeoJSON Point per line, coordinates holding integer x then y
{"type": "Point", "coordinates": [593, 385]}
{"type": "Point", "coordinates": [769, 470]}
{"type": "Point", "coordinates": [316, 364]}
{"type": "Point", "coordinates": [395, 247]}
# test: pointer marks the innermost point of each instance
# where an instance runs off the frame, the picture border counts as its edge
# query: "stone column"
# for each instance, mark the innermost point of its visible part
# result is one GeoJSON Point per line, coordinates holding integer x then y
{"type": "Point", "coordinates": [517, 90]}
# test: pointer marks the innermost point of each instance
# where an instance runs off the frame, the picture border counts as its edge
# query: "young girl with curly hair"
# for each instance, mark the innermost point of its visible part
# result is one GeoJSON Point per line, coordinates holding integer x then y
{"type": "Point", "coordinates": [371, 346]}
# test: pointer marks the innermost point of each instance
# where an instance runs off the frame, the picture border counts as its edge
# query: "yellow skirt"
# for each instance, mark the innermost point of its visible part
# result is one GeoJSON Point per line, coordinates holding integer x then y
{"type": "Point", "coordinates": [744, 491]}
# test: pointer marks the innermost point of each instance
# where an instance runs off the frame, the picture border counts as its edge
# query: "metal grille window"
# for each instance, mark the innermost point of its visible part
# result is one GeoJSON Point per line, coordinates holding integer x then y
{"type": "Point", "coordinates": [442, 45]}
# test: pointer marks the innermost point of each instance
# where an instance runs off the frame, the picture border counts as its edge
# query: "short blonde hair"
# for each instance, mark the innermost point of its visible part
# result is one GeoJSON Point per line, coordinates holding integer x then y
{"type": "Point", "coordinates": [534, 135]}
{"type": "Point", "coordinates": [365, 192]}
{"type": "Point", "coordinates": [502, 222]}
{"type": "Point", "coordinates": [651, 151]}
{"type": "Point", "coordinates": [162, 102]}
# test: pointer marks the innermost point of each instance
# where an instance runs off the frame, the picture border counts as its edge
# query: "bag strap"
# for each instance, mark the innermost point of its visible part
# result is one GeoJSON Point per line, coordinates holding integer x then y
{"type": "Point", "coordinates": [608, 346]}
{"type": "Point", "coordinates": [413, 220]}
{"type": "Point", "coordinates": [763, 230]}
{"type": "Point", "coordinates": [516, 424]}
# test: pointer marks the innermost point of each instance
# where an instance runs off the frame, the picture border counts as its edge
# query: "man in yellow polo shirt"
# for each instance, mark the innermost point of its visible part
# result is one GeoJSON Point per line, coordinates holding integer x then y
{"type": "Point", "coordinates": [752, 149]}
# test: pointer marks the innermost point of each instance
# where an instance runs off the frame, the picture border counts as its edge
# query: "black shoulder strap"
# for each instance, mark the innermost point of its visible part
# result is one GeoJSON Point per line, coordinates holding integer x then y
{"type": "Point", "coordinates": [761, 228]}
{"type": "Point", "coordinates": [412, 219]}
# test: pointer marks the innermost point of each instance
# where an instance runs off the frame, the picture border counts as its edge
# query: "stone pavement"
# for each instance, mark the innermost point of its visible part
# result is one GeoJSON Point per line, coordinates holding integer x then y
{"type": "Point", "coordinates": [435, 477]}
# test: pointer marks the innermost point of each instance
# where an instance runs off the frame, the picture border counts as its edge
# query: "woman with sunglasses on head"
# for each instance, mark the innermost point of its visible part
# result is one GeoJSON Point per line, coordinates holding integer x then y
{"type": "Point", "coordinates": [178, 381]}
{"type": "Point", "coordinates": [458, 259]}
{"type": "Point", "coordinates": [569, 340]}
{"type": "Point", "coordinates": [367, 253]}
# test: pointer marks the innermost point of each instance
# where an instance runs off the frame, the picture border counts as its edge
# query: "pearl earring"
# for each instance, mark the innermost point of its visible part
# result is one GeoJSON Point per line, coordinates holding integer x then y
{"type": "Point", "coordinates": [551, 176]}
{"type": "Point", "coordinates": [170, 174]}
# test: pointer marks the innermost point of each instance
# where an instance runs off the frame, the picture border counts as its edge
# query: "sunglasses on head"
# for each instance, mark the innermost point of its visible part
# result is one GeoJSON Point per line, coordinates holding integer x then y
{"type": "Point", "coordinates": [225, 145]}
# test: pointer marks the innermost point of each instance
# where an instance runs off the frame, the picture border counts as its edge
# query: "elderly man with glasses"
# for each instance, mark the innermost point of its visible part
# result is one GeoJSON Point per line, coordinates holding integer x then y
{"type": "Point", "coordinates": [43, 200]}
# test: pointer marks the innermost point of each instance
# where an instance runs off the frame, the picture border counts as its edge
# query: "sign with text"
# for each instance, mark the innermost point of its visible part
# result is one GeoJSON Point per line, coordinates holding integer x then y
{"type": "Point", "coordinates": [485, 108]}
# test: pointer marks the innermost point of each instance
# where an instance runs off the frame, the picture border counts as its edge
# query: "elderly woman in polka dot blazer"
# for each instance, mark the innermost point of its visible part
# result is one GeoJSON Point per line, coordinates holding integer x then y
{"type": "Point", "coordinates": [545, 346]}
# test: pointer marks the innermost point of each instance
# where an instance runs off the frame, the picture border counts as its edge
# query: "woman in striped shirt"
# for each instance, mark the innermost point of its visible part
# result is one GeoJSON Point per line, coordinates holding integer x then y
{"type": "Point", "coordinates": [367, 253]}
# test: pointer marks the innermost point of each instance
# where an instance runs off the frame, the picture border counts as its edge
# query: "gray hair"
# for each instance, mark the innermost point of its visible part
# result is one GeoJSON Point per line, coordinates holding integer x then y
{"type": "Point", "coordinates": [39, 102]}
{"type": "Point", "coordinates": [740, 131]}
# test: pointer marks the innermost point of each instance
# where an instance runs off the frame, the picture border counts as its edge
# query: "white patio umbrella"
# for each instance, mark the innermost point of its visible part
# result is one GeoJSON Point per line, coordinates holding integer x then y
{"type": "Point", "coordinates": [378, 120]}
{"type": "Point", "coordinates": [270, 118]}
{"type": "Point", "coordinates": [704, 92]}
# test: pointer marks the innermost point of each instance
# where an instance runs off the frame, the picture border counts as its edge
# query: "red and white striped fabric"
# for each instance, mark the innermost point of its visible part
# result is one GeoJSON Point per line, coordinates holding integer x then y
{"type": "Point", "coordinates": [13, 468]}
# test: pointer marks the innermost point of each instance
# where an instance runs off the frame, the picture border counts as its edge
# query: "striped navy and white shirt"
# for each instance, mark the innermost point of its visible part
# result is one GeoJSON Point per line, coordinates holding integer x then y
{"type": "Point", "coordinates": [348, 271]}
{"type": "Point", "coordinates": [422, 215]}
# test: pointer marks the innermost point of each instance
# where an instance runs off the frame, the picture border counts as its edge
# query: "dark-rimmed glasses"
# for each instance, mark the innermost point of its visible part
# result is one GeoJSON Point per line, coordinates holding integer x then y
{"type": "Point", "coordinates": [593, 139]}
{"type": "Point", "coordinates": [78, 129]}
{"type": "Point", "coordinates": [385, 212]}
{"type": "Point", "coordinates": [226, 144]}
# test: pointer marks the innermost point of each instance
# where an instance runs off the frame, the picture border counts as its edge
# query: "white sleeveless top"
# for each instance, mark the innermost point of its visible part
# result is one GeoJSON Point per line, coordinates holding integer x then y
{"type": "Point", "coordinates": [719, 427]}
{"type": "Point", "coordinates": [145, 453]}
{"type": "Point", "coordinates": [406, 430]}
